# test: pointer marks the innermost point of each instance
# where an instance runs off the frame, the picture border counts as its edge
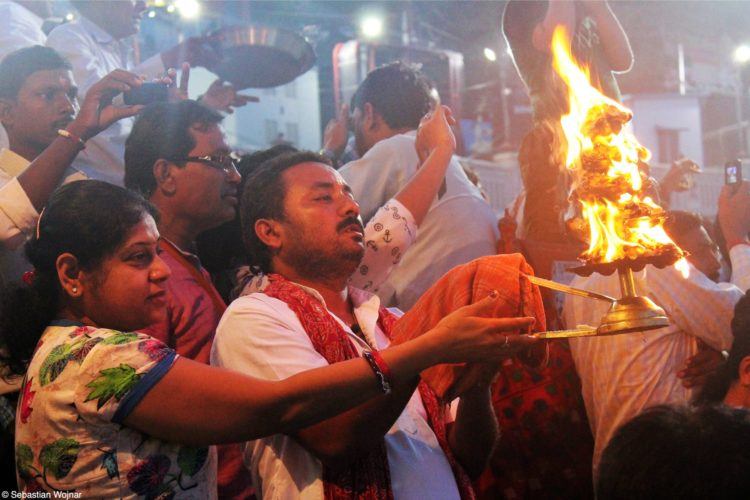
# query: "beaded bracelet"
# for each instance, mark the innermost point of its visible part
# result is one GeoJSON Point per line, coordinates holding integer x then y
{"type": "Point", "coordinates": [383, 380]}
{"type": "Point", "coordinates": [72, 137]}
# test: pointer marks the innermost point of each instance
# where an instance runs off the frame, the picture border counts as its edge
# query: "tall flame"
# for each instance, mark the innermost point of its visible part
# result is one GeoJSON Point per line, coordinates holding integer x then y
{"type": "Point", "coordinates": [604, 159]}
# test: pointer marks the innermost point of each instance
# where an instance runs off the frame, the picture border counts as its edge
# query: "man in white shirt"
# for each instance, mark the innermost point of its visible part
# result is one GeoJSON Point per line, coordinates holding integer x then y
{"type": "Point", "coordinates": [39, 109]}
{"type": "Point", "coordinates": [622, 375]}
{"type": "Point", "coordinates": [100, 42]}
{"type": "Point", "coordinates": [301, 223]}
{"type": "Point", "coordinates": [460, 225]}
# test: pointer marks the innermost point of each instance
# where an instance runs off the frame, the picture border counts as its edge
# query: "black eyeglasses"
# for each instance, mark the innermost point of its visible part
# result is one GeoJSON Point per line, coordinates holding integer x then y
{"type": "Point", "coordinates": [224, 161]}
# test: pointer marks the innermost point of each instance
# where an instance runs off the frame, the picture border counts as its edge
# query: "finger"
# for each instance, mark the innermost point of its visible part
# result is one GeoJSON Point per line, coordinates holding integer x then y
{"type": "Point", "coordinates": [481, 307]}
{"type": "Point", "coordinates": [509, 325]}
{"type": "Point", "coordinates": [185, 78]}
{"type": "Point", "coordinates": [344, 112]}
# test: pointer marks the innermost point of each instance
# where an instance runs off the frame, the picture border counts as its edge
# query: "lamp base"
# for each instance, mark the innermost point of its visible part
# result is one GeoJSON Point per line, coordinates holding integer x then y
{"type": "Point", "coordinates": [632, 314]}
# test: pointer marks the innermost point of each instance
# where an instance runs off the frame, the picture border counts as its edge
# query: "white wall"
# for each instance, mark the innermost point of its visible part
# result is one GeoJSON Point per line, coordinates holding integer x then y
{"type": "Point", "coordinates": [294, 106]}
{"type": "Point", "coordinates": [672, 112]}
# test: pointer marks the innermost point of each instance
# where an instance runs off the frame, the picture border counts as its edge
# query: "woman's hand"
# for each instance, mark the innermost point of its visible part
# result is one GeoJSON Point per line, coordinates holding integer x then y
{"type": "Point", "coordinates": [468, 334]}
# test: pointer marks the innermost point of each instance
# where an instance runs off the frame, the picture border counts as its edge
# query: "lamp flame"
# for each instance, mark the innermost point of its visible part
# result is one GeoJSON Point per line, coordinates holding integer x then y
{"type": "Point", "coordinates": [606, 163]}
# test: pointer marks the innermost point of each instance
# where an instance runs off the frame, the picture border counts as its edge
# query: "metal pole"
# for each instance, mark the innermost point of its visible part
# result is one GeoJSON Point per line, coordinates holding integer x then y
{"type": "Point", "coordinates": [627, 282]}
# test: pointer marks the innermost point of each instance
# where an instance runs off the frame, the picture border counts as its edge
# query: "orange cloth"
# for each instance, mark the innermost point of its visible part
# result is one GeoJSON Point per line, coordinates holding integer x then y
{"type": "Point", "coordinates": [465, 285]}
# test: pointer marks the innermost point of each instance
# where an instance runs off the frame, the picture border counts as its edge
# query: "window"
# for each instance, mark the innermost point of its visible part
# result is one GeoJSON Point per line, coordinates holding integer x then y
{"type": "Point", "coordinates": [669, 144]}
{"type": "Point", "coordinates": [272, 130]}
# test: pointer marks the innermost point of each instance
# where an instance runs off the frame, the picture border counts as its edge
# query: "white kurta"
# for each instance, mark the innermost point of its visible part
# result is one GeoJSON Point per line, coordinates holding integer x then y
{"type": "Point", "coordinates": [262, 337]}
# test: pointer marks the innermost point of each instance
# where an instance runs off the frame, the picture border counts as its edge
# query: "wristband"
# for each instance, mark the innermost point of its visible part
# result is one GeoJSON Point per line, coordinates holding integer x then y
{"type": "Point", "coordinates": [68, 135]}
{"type": "Point", "coordinates": [385, 385]}
{"type": "Point", "coordinates": [382, 365]}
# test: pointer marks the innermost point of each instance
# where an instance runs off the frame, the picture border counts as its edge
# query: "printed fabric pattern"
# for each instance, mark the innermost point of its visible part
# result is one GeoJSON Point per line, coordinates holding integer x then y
{"type": "Point", "coordinates": [81, 384]}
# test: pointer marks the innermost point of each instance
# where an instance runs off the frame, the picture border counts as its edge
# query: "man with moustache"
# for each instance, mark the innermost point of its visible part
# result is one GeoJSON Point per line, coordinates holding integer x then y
{"type": "Point", "coordinates": [624, 374]}
{"type": "Point", "coordinates": [177, 157]}
{"type": "Point", "coordinates": [302, 228]}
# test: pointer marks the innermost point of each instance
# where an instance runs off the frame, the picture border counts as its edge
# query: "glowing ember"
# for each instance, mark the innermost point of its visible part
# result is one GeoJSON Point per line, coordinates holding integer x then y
{"type": "Point", "coordinates": [605, 159]}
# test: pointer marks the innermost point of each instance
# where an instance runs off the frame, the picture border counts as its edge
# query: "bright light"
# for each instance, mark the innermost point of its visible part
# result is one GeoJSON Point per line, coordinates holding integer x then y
{"type": "Point", "coordinates": [371, 26]}
{"type": "Point", "coordinates": [69, 16]}
{"type": "Point", "coordinates": [742, 54]}
{"type": "Point", "coordinates": [188, 9]}
{"type": "Point", "coordinates": [151, 14]}
{"type": "Point", "coordinates": [682, 266]}
{"type": "Point", "coordinates": [159, 3]}
{"type": "Point", "coordinates": [490, 54]}
{"type": "Point", "coordinates": [170, 8]}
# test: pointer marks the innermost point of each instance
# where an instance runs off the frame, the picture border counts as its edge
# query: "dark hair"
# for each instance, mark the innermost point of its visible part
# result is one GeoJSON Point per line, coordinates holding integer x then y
{"type": "Point", "coordinates": [678, 452]}
{"type": "Point", "coordinates": [88, 219]}
{"type": "Point", "coordinates": [220, 249]}
{"type": "Point", "coordinates": [718, 383]}
{"type": "Point", "coordinates": [162, 131]}
{"type": "Point", "coordinates": [679, 223]}
{"type": "Point", "coordinates": [17, 66]}
{"type": "Point", "coordinates": [263, 198]}
{"type": "Point", "coordinates": [400, 93]}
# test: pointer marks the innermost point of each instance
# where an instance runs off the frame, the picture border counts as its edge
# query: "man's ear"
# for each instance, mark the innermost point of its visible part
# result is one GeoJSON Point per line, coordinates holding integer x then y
{"type": "Point", "coordinates": [372, 118]}
{"type": "Point", "coordinates": [744, 372]}
{"type": "Point", "coordinates": [70, 275]}
{"type": "Point", "coordinates": [6, 112]}
{"type": "Point", "coordinates": [270, 232]}
{"type": "Point", "coordinates": [164, 176]}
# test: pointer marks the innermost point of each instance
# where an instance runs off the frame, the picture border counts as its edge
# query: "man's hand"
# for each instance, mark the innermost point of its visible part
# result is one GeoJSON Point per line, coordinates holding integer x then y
{"type": "Point", "coordinates": [699, 366]}
{"type": "Point", "coordinates": [97, 111]}
{"type": "Point", "coordinates": [434, 133]}
{"type": "Point", "coordinates": [734, 214]}
{"type": "Point", "coordinates": [336, 132]}
{"type": "Point", "coordinates": [197, 51]}
{"type": "Point", "coordinates": [179, 92]}
{"type": "Point", "coordinates": [222, 96]}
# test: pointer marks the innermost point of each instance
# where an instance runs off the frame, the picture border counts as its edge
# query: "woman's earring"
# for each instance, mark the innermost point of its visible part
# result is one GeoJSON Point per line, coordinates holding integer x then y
{"type": "Point", "coordinates": [75, 289]}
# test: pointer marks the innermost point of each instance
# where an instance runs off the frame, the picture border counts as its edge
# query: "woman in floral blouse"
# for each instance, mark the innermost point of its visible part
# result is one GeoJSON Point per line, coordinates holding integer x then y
{"type": "Point", "coordinates": [111, 414]}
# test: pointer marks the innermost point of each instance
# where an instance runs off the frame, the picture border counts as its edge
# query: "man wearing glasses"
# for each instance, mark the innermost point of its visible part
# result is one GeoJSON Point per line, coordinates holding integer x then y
{"type": "Point", "coordinates": [177, 157]}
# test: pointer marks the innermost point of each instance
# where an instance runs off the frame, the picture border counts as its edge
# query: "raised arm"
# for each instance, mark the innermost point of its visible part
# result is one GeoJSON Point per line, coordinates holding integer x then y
{"type": "Point", "coordinates": [97, 113]}
{"type": "Point", "coordinates": [613, 38]}
{"type": "Point", "coordinates": [197, 404]}
{"type": "Point", "coordinates": [394, 225]}
{"type": "Point", "coordinates": [435, 146]}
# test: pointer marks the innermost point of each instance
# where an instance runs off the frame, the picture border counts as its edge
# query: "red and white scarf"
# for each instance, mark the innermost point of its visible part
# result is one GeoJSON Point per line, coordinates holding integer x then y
{"type": "Point", "coordinates": [368, 476]}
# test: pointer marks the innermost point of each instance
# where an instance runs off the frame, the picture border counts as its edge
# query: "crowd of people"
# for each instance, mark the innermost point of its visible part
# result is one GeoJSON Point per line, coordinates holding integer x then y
{"type": "Point", "coordinates": [177, 320]}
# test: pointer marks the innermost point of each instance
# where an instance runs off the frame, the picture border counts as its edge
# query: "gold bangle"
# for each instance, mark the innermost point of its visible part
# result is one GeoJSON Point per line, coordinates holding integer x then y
{"type": "Point", "coordinates": [68, 135]}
